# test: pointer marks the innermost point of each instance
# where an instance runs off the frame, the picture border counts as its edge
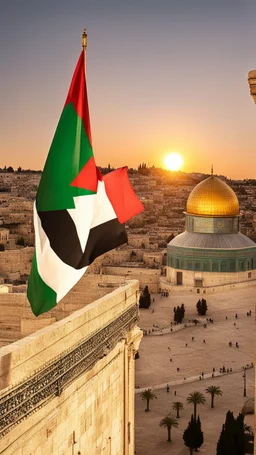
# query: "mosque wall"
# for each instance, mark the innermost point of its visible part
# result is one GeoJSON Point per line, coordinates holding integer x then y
{"type": "Point", "coordinates": [205, 260]}
{"type": "Point", "coordinates": [196, 280]}
{"type": "Point", "coordinates": [69, 388]}
{"type": "Point", "coordinates": [218, 225]}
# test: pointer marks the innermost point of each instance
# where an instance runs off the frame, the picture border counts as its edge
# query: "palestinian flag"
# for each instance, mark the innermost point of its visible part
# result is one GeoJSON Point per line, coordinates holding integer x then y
{"type": "Point", "coordinates": [78, 214]}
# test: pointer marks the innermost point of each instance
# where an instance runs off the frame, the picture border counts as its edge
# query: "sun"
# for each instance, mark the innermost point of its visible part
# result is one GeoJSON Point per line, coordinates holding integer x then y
{"type": "Point", "coordinates": [173, 161]}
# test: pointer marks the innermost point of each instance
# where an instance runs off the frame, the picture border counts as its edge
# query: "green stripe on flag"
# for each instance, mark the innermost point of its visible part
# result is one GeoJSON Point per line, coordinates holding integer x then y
{"type": "Point", "coordinates": [41, 297]}
{"type": "Point", "coordinates": [69, 152]}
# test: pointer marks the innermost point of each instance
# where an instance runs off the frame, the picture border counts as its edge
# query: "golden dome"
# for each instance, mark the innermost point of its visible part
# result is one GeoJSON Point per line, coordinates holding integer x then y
{"type": "Point", "coordinates": [212, 197]}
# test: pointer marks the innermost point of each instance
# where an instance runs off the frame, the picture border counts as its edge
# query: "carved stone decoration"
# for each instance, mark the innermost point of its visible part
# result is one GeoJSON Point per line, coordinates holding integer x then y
{"type": "Point", "coordinates": [50, 381]}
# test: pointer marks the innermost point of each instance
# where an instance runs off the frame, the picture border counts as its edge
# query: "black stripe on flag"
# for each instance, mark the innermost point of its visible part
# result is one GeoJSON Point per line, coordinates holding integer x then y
{"type": "Point", "coordinates": [62, 234]}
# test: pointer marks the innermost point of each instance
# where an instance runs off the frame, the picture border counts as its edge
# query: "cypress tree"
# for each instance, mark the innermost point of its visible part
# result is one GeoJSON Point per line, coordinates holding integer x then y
{"type": "Point", "coordinates": [231, 440]}
{"type": "Point", "coordinates": [193, 435]}
{"type": "Point", "coordinates": [145, 299]}
{"type": "Point", "coordinates": [199, 433]}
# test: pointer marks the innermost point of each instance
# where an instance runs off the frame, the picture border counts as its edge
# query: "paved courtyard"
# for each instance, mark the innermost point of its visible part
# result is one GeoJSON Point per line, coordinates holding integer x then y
{"type": "Point", "coordinates": [162, 353]}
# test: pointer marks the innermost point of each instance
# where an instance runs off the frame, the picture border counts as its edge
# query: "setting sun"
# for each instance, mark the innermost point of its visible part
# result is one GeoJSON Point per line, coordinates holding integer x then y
{"type": "Point", "coordinates": [173, 161]}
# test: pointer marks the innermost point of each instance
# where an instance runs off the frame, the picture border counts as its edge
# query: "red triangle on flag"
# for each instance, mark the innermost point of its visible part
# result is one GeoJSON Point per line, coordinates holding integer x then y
{"type": "Point", "coordinates": [88, 176]}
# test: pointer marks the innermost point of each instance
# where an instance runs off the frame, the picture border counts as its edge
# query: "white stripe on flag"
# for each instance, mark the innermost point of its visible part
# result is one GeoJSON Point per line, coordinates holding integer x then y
{"type": "Point", "coordinates": [90, 211]}
{"type": "Point", "coordinates": [54, 272]}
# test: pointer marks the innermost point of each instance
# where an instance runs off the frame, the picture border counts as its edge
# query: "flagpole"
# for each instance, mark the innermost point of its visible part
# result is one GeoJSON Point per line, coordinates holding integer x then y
{"type": "Point", "coordinates": [84, 44]}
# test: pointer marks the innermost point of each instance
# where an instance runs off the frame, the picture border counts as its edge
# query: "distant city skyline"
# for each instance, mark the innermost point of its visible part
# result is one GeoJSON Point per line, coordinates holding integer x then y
{"type": "Point", "coordinates": [165, 77]}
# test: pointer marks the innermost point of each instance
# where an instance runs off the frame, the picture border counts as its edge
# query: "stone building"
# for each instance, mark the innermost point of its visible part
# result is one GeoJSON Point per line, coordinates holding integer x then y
{"type": "Point", "coordinates": [69, 388]}
{"type": "Point", "coordinates": [4, 236]}
{"type": "Point", "coordinates": [211, 252]}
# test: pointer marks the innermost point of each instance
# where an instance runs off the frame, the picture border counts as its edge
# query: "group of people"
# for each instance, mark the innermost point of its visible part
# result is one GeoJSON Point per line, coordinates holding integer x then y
{"type": "Point", "coordinates": [231, 344]}
{"type": "Point", "coordinates": [168, 390]}
{"type": "Point", "coordinates": [164, 294]}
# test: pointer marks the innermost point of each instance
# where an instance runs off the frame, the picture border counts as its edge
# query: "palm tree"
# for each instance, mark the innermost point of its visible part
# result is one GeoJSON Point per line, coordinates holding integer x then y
{"type": "Point", "coordinates": [178, 406]}
{"type": "Point", "coordinates": [168, 422]}
{"type": "Point", "coordinates": [213, 390]}
{"type": "Point", "coordinates": [147, 395]}
{"type": "Point", "coordinates": [196, 398]}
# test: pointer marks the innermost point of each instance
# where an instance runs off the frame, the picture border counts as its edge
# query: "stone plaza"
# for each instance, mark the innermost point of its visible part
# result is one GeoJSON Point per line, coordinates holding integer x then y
{"type": "Point", "coordinates": [162, 352]}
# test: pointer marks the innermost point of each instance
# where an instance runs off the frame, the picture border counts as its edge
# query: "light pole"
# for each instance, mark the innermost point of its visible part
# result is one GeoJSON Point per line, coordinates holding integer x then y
{"type": "Point", "coordinates": [244, 376]}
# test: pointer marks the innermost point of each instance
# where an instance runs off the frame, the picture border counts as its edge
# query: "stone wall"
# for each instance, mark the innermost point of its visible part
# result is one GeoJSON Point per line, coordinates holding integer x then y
{"type": "Point", "coordinates": [69, 388]}
{"type": "Point", "coordinates": [152, 259]}
{"type": "Point", "coordinates": [116, 257]}
{"type": "Point", "coordinates": [14, 263]}
{"type": "Point", "coordinates": [17, 319]}
{"type": "Point", "coordinates": [138, 240]}
{"type": "Point", "coordinates": [145, 276]}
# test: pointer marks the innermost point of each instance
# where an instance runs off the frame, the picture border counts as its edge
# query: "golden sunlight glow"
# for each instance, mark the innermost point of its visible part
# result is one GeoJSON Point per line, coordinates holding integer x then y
{"type": "Point", "coordinates": [173, 161]}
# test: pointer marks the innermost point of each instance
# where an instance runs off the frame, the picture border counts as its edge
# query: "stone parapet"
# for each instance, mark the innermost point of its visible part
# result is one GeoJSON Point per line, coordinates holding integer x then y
{"type": "Point", "coordinates": [70, 386]}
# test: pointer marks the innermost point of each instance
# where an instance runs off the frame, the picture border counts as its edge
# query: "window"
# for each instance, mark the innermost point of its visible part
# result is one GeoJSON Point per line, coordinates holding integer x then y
{"type": "Point", "coordinates": [206, 266]}
{"type": "Point", "coordinates": [241, 265]}
{"type": "Point", "coordinates": [223, 266]}
{"type": "Point", "coordinates": [232, 266]}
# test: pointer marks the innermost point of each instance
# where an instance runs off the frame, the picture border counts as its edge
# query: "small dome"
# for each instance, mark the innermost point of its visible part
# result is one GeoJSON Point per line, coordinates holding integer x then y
{"type": "Point", "coordinates": [212, 197]}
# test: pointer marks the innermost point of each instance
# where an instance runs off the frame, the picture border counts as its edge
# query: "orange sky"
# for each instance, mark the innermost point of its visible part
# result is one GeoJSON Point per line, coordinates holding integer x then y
{"type": "Point", "coordinates": [169, 77]}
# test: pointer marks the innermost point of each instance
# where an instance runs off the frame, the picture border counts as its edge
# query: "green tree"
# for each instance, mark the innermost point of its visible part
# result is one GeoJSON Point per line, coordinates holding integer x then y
{"type": "Point", "coordinates": [20, 241]}
{"type": "Point", "coordinates": [196, 398]}
{"type": "Point", "coordinates": [193, 435]}
{"type": "Point", "coordinates": [201, 307]}
{"type": "Point", "coordinates": [179, 313]}
{"type": "Point", "coordinates": [169, 422]}
{"type": "Point", "coordinates": [177, 406]}
{"type": "Point", "coordinates": [147, 395]}
{"type": "Point", "coordinates": [199, 434]}
{"type": "Point", "coordinates": [232, 438]}
{"type": "Point", "coordinates": [213, 390]}
{"type": "Point", "coordinates": [145, 298]}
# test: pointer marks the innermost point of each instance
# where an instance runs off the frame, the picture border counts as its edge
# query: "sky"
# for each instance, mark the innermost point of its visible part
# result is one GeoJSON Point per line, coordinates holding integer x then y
{"type": "Point", "coordinates": [162, 76]}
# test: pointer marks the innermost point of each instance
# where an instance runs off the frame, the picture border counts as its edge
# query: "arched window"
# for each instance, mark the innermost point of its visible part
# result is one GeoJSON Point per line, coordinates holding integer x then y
{"type": "Point", "coordinates": [215, 266]}
{"type": "Point", "coordinates": [223, 266]}
{"type": "Point", "coordinates": [232, 266]}
{"type": "Point", "coordinates": [241, 265]}
{"type": "Point", "coordinates": [206, 267]}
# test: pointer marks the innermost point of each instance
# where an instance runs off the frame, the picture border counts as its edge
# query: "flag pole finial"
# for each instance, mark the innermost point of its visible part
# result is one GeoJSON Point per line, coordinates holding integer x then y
{"type": "Point", "coordinates": [84, 39]}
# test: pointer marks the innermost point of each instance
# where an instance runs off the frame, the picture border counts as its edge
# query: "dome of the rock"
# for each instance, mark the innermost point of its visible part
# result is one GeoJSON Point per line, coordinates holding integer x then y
{"type": "Point", "coordinates": [213, 197]}
{"type": "Point", "coordinates": [211, 252]}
